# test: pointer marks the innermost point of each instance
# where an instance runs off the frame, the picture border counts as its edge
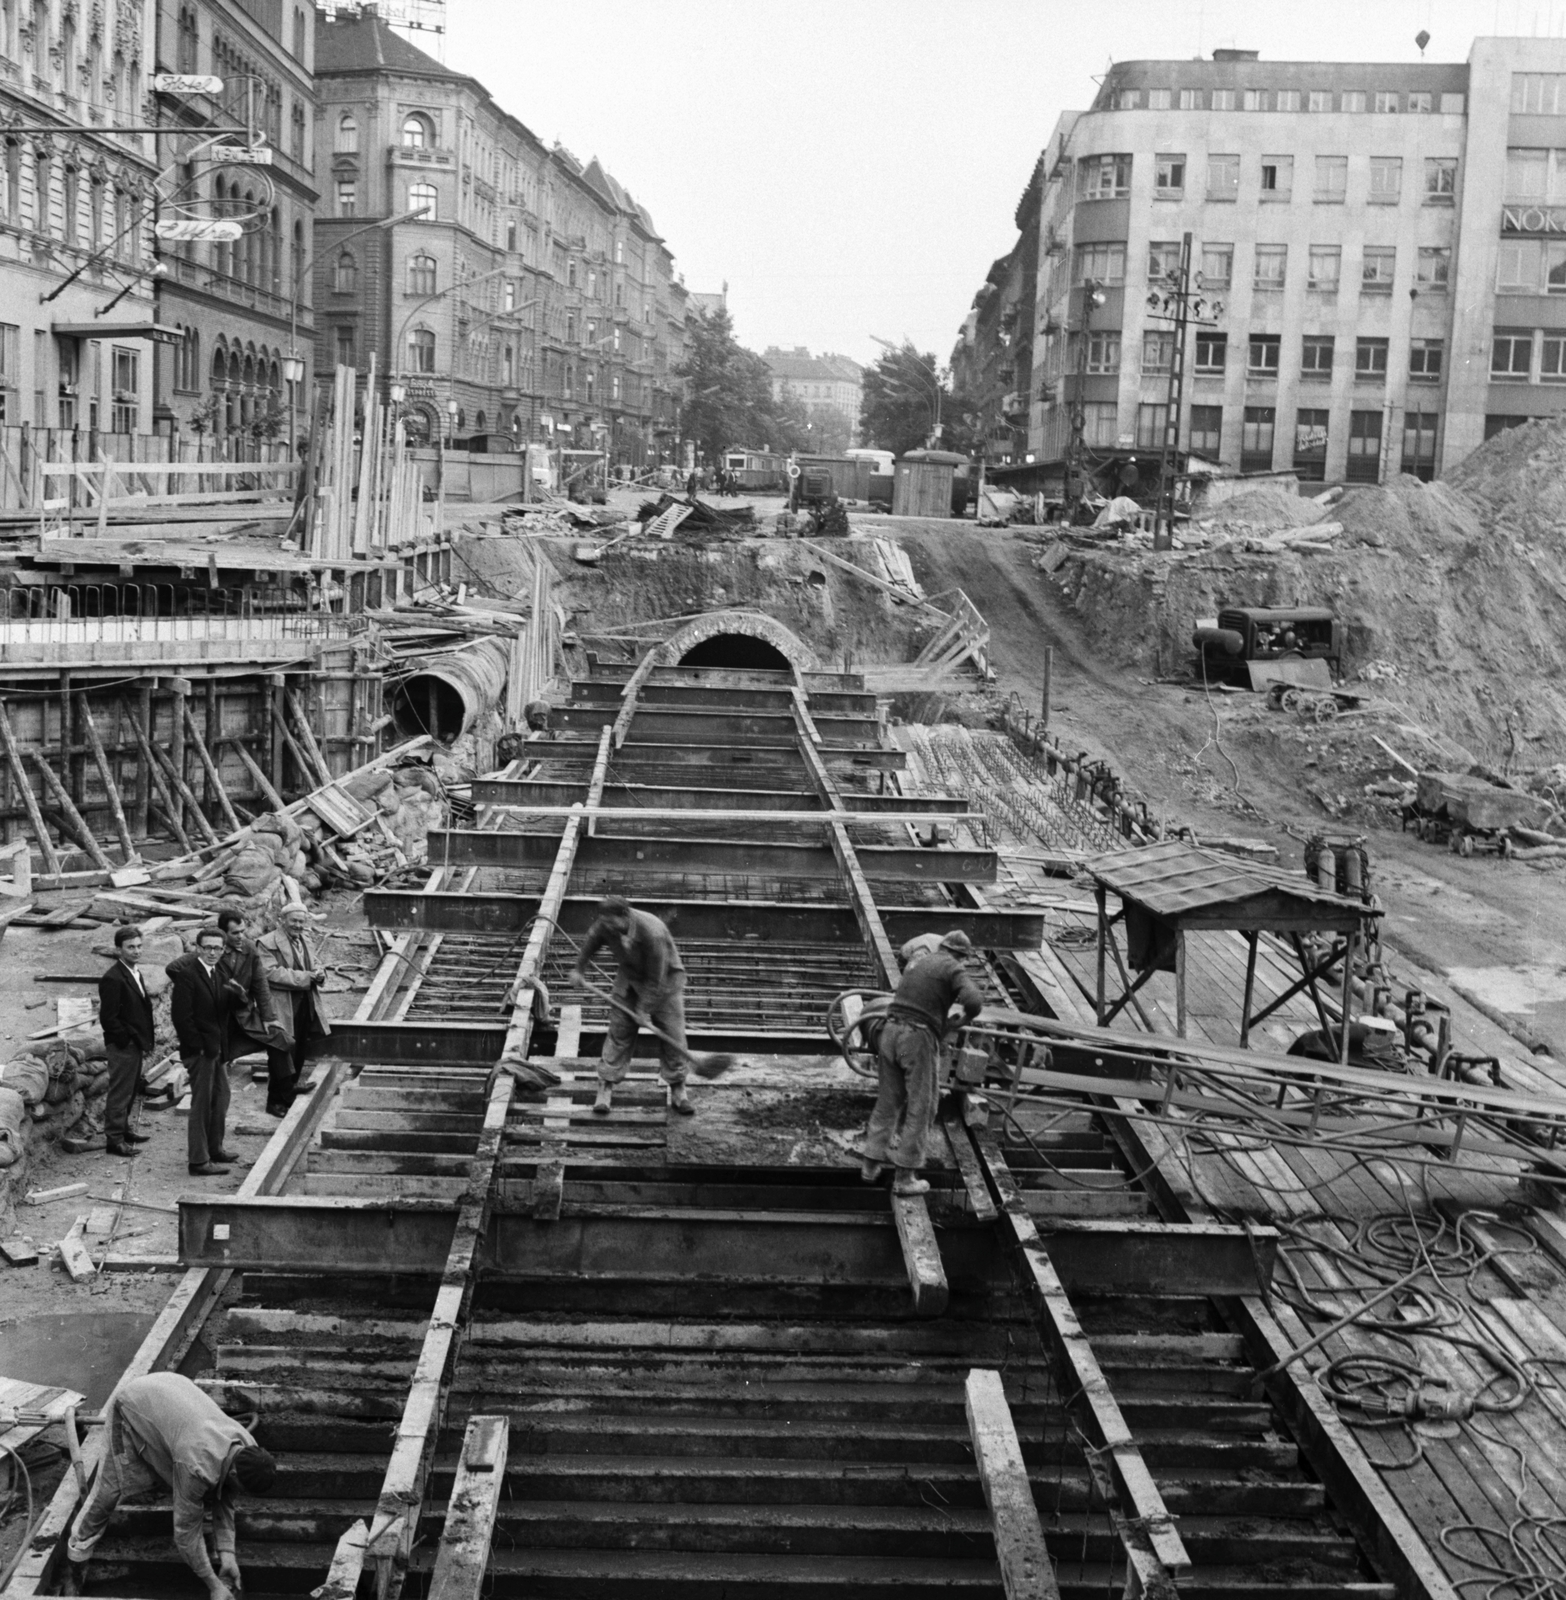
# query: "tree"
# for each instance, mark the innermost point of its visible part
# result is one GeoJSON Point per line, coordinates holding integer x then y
{"type": "Point", "coordinates": [830, 432]}
{"type": "Point", "coordinates": [899, 406]}
{"type": "Point", "coordinates": [728, 389]}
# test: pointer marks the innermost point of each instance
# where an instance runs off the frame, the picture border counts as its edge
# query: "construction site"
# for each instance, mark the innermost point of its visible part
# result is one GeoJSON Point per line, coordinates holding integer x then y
{"type": "Point", "coordinates": [1238, 1262]}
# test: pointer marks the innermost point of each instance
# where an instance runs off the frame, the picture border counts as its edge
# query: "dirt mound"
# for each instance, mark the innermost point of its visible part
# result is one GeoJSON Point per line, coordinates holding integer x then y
{"type": "Point", "coordinates": [1410, 516]}
{"type": "Point", "coordinates": [1518, 481]}
{"type": "Point", "coordinates": [1264, 508]}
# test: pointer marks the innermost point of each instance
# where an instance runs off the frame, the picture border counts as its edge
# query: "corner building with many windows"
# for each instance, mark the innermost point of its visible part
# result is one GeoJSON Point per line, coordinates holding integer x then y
{"type": "Point", "coordinates": [1382, 238]}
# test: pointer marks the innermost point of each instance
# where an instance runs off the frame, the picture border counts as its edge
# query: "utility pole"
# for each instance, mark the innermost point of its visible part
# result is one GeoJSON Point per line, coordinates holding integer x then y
{"type": "Point", "coordinates": [1174, 302]}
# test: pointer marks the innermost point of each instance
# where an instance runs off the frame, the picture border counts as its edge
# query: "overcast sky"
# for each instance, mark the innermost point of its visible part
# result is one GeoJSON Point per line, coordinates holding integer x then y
{"type": "Point", "coordinates": [852, 167]}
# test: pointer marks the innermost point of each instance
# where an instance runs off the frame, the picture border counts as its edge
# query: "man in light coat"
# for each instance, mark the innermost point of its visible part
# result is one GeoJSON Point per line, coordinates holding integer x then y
{"type": "Point", "coordinates": [294, 972]}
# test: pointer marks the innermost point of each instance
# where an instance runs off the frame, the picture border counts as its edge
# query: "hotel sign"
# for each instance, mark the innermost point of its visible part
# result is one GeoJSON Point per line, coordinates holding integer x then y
{"type": "Point", "coordinates": [1533, 219]}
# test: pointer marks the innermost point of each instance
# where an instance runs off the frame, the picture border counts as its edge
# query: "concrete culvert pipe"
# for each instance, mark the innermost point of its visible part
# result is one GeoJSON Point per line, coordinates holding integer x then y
{"type": "Point", "coordinates": [448, 694]}
{"type": "Point", "coordinates": [735, 650]}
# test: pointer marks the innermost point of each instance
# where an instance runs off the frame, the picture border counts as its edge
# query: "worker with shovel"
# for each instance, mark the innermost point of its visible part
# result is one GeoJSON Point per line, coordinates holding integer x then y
{"type": "Point", "coordinates": [649, 986]}
{"type": "Point", "coordinates": [910, 1038]}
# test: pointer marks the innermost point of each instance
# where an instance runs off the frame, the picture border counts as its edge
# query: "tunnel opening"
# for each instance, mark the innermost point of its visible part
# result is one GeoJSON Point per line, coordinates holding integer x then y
{"type": "Point", "coordinates": [428, 703]}
{"type": "Point", "coordinates": [736, 650]}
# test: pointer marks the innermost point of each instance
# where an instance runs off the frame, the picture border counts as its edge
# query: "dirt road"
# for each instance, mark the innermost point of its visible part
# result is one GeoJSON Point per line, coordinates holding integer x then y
{"type": "Point", "coordinates": [1496, 930]}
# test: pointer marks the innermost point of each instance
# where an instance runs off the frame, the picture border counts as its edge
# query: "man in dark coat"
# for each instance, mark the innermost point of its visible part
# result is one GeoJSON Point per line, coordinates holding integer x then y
{"type": "Point", "coordinates": [252, 1019]}
{"type": "Point", "coordinates": [200, 1012]}
{"type": "Point", "coordinates": [294, 971]}
{"type": "Point", "coordinates": [125, 1015]}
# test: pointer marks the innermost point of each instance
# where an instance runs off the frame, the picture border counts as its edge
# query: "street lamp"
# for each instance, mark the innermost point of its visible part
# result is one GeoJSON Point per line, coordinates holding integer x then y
{"type": "Point", "coordinates": [927, 368]}
{"type": "Point", "coordinates": [1093, 297]}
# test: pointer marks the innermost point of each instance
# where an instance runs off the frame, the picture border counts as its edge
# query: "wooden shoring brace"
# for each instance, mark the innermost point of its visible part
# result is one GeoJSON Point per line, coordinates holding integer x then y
{"type": "Point", "coordinates": [151, 768]}
{"type": "Point", "coordinates": [110, 788]}
{"type": "Point", "coordinates": [183, 789]}
{"type": "Point", "coordinates": [306, 737]}
{"type": "Point", "coordinates": [301, 760]}
{"type": "Point", "coordinates": [258, 777]}
{"type": "Point", "coordinates": [29, 799]}
{"type": "Point", "coordinates": [204, 755]}
{"type": "Point", "coordinates": [67, 808]}
{"type": "Point", "coordinates": [1153, 1547]}
{"type": "Point", "coordinates": [1026, 1571]}
{"type": "Point", "coordinates": [463, 1557]}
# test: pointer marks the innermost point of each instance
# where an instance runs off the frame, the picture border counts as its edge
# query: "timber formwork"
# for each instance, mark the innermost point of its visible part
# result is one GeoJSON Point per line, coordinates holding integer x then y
{"type": "Point", "coordinates": [723, 1365]}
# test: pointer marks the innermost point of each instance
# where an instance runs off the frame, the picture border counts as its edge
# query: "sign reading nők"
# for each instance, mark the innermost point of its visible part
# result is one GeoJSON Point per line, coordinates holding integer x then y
{"type": "Point", "coordinates": [1533, 219]}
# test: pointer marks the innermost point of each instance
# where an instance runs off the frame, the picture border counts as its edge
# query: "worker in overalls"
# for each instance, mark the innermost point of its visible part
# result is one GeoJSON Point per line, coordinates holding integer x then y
{"type": "Point", "coordinates": [910, 1043]}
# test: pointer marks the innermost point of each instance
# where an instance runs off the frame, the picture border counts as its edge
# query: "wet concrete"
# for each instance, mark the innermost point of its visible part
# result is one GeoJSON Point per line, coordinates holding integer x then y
{"type": "Point", "coordinates": [85, 1351]}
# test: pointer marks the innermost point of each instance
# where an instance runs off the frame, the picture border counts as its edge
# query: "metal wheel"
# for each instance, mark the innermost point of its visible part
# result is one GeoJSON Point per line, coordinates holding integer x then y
{"type": "Point", "coordinates": [849, 1017]}
{"type": "Point", "coordinates": [1290, 700]}
{"type": "Point", "coordinates": [1324, 708]}
{"type": "Point", "coordinates": [1466, 848]}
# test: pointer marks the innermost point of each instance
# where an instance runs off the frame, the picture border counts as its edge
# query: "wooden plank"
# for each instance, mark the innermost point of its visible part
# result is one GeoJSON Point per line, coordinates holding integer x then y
{"type": "Point", "coordinates": [960, 1143]}
{"type": "Point", "coordinates": [921, 1254]}
{"type": "Point", "coordinates": [1026, 1571]}
{"type": "Point", "coordinates": [209, 766]}
{"type": "Point", "coordinates": [463, 1558]}
{"type": "Point", "coordinates": [342, 1577]}
{"type": "Point", "coordinates": [153, 772]}
{"type": "Point", "coordinates": [106, 773]}
{"type": "Point", "coordinates": [68, 809]}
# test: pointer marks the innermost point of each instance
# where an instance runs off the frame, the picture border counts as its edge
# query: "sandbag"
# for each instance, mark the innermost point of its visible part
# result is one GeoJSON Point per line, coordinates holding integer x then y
{"type": "Point", "coordinates": [28, 1076]}
{"type": "Point", "coordinates": [13, 1126]}
{"type": "Point", "coordinates": [250, 872]}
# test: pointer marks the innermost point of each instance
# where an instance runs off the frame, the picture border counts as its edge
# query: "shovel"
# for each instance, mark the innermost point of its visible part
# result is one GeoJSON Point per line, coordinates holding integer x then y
{"type": "Point", "coordinates": [703, 1066]}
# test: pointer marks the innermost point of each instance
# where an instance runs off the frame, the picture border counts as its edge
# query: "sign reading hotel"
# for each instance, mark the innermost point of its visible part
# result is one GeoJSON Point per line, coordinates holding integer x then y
{"type": "Point", "coordinates": [1533, 219]}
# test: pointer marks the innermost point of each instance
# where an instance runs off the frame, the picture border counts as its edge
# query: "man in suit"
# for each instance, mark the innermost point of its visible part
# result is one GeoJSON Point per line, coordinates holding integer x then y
{"type": "Point", "coordinates": [252, 1007]}
{"type": "Point", "coordinates": [294, 972]}
{"type": "Point", "coordinates": [125, 1015]}
{"type": "Point", "coordinates": [200, 1012]}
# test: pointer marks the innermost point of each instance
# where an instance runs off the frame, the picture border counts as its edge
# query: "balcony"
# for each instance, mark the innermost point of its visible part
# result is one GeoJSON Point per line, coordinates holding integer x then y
{"type": "Point", "coordinates": [236, 291]}
{"type": "Point", "coordinates": [406, 155]}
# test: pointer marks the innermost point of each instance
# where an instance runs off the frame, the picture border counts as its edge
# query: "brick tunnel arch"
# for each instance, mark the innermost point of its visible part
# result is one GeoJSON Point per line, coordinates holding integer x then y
{"type": "Point", "coordinates": [741, 639]}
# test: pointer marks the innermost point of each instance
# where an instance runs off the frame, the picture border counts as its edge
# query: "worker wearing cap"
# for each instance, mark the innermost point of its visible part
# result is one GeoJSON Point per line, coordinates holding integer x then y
{"type": "Point", "coordinates": [649, 982]}
{"type": "Point", "coordinates": [910, 1038]}
{"type": "Point", "coordinates": [162, 1429]}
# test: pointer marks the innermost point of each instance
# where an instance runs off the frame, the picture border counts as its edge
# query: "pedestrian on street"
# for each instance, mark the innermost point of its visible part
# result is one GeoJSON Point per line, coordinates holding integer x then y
{"type": "Point", "coordinates": [690, 485]}
{"type": "Point", "coordinates": [910, 1038]}
{"type": "Point", "coordinates": [200, 1012]}
{"type": "Point", "coordinates": [125, 1015]}
{"type": "Point", "coordinates": [649, 981]}
{"type": "Point", "coordinates": [164, 1430]}
{"type": "Point", "coordinates": [293, 968]}
{"type": "Point", "coordinates": [252, 1009]}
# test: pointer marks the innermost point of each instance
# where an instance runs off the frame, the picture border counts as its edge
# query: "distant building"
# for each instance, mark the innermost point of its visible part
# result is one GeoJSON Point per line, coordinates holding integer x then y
{"type": "Point", "coordinates": [1385, 240]}
{"type": "Point", "coordinates": [828, 383]}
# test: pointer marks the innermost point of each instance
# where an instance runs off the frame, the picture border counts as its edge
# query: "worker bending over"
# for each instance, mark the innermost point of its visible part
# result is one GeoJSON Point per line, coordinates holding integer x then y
{"type": "Point", "coordinates": [162, 1429]}
{"type": "Point", "coordinates": [910, 1038]}
{"type": "Point", "coordinates": [649, 982]}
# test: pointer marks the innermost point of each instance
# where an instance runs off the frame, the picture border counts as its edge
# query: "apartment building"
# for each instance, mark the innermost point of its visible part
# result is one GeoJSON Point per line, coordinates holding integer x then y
{"type": "Point", "coordinates": [77, 324]}
{"type": "Point", "coordinates": [826, 382]}
{"type": "Point", "coordinates": [240, 311]}
{"type": "Point", "coordinates": [502, 286]}
{"type": "Point", "coordinates": [1379, 249]}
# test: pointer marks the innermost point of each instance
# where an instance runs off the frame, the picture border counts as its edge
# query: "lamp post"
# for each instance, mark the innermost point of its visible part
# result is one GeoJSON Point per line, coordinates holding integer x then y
{"type": "Point", "coordinates": [925, 367]}
{"type": "Point", "coordinates": [1175, 300]}
{"type": "Point", "coordinates": [1093, 296]}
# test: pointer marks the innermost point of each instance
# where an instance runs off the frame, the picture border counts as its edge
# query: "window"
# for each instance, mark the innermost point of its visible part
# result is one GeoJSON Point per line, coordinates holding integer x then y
{"type": "Point", "coordinates": [1128, 99]}
{"type": "Point", "coordinates": [421, 197]}
{"type": "Point", "coordinates": [1386, 100]}
{"type": "Point", "coordinates": [421, 274]}
{"type": "Point", "coordinates": [1552, 359]}
{"type": "Point", "coordinates": [421, 350]}
{"type": "Point", "coordinates": [1310, 444]}
{"type": "Point", "coordinates": [296, 133]}
{"type": "Point", "coordinates": [10, 376]}
{"type": "Point", "coordinates": [1377, 269]}
{"type": "Point", "coordinates": [511, 236]}
{"type": "Point", "coordinates": [1262, 361]}
{"type": "Point", "coordinates": [1104, 177]}
{"type": "Point", "coordinates": [417, 132]}
{"type": "Point", "coordinates": [1258, 100]}
{"type": "Point", "coordinates": [126, 376]}
{"type": "Point", "coordinates": [347, 197]}
{"type": "Point", "coordinates": [1527, 175]}
{"type": "Point", "coordinates": [1102, 263]}
{"type": "Point", "coordinates": [1511, 355]}
{"type": "Point", "coordinates": [1424, 360]}
{"type": "Point", "coordinates": [1326, 267]}
{"type": "Point", "coordinates": [1256, 433]}
{"type": "Point", "coordinates": [1223, 177]}
{"type": "Point", "coordinates": [1519, 266]}
{"type": "Point", "coordinates": [1386, 180]}
{"type": "Point", "coordinates": [1151, 423]}
{"type": "Point", "coordinates": [1440, 180]}
{"type": "Point", "coordinates": [1554, 267]}
{"type": "Point", "coordinates": [346, 278]}
{"type": "Point", "coordinates": [1435, 266]}
{"type": "Point", "coordinates": [1206, 431]}
{"type": "Point", "coordinates": [1316, 356]}
{"type": "Point", "coordinates": [619, 252]}
{"type": "Point", "coordinates": [347, 136]}
{"type": "Point", "coordinates": [1163, 259]}
{"type": "Point", "coordinates": [1320, 100]}
{"type": "Point", "coordinates": [1212, 351]}
{"type": "Point", "coordinates": [1419, 444]}
{"type": "Point", "coordinates": [1158, 99]}
{"type": "Point", "coordinates": [1191, 100]}
{"type": "Point", "coordinates": [1103, 353]}
{"type": "Point", "coordinates": [1494, 424]}
{"type": "Point", "coordinates": [1352, 100]}
{"type": "Point", "coordinates": [1364, 451]}
{"type": "Point", "coordinates": [592, 287]}
{"type": "Point", "coordinates": [508, 295]}
{"type": "Point", "coordinates": [345, 346]}
{"type": "Point", "coordinates": [1331, 180]}
{"type": "Point", "coordinates": [1157, 352]}
{"type": "Point", "coordinates": [1100, 424]}
{"type": "Point", "coordinates": [1421, 100]}
{"type": "Point", "coordinates": [1217, 265]}
{"type": "Point", "coordinates": [1288, 100]}
{"type": "Point", "coordinates": [1223, 100]}
{"type": "Point", "coordinates": [1169, 176]}
{"type": "Point", "coordinates": [1538, 94]}
{"type": "Point", "coordinates": [570, 330]}
{"type": "Point", "coordinates": [508, 365]}
{"type": "Point", "coordinates": [1272, 262]}
{"type": "Point", "coordinates": [1370, 360]}
{"type": "Point", "coordinates": [1277, 177]}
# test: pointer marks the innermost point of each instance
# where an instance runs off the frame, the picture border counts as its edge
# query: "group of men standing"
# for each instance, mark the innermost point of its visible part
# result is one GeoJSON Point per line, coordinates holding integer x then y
{"type": "Point", "coordinates": [231, 995]}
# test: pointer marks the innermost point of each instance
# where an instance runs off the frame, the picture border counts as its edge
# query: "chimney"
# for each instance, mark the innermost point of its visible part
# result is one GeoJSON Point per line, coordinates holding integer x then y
{"type": "Point", "coordinates": [1236, 55]}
